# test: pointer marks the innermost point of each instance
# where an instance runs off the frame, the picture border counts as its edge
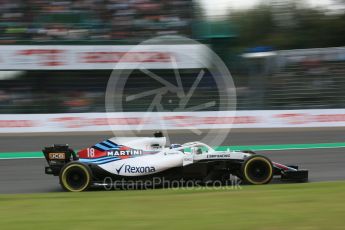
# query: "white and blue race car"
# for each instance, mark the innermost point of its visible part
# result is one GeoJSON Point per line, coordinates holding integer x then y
{"type": "Point", "coordinates": [141, 159]}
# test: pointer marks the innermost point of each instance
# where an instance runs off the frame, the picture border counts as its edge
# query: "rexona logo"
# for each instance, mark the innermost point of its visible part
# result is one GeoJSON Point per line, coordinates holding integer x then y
{"type": "Point", "coordinates": [134, 169]}
{"type": "Point", "coordinates": [131, 169]}
{"type": "Point", "coordinates": [130, 152]}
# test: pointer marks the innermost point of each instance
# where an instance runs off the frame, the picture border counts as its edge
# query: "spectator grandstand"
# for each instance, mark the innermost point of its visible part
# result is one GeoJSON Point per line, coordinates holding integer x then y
{"type": "Point", "coordinates": [30, 21]}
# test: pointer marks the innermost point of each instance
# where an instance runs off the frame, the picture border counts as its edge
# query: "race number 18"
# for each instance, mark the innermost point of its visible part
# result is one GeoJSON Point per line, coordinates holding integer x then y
{"type": "Point", "coordinates": [90, 152]}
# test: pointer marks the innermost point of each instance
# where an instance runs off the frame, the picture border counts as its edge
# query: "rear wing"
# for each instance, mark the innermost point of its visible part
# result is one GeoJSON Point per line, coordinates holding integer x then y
{"type": "Point", "coordinates": [57, 156]}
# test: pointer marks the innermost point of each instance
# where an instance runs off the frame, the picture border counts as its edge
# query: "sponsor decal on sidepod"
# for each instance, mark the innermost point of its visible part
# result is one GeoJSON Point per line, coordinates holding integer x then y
{"type": "Point", "coordinates": [135, 169]}
{"type": "Point", "coordinates": [130, 152]}
{"type": "Point", "coordinates": [218, 156]}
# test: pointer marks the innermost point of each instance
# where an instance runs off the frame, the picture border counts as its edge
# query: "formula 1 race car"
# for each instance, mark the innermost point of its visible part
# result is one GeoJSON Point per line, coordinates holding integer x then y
{"type": "Point", "coordinates": [140, 159]}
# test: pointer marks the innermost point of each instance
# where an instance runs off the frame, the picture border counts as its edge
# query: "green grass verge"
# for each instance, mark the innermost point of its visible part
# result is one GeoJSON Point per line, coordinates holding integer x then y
{"type": "Point", "coordinates": [286, 206]}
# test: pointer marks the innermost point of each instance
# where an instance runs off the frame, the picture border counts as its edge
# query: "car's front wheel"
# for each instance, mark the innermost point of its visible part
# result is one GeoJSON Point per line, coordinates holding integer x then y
{"type": "Point", "coordinates": [75, 177]}
{"type": "Point", "coordinates": [257, 170]}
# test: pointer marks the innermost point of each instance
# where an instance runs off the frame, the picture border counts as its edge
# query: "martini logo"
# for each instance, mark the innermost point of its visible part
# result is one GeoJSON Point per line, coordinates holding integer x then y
{"type": "Point", "coordinates": [129, 152]}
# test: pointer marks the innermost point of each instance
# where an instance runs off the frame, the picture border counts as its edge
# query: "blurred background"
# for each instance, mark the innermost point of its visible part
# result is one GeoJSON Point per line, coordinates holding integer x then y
{"type": "Point", "coordinates": [282, 54]}
{"type": "Point", "coordinates": [286, 58]}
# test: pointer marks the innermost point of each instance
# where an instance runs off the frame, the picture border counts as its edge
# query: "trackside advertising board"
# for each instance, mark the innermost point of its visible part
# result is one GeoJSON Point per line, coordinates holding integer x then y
{"type": "Point", "coordinates": [57, 57]}
{"type": "Point", "coordinates": [92, 122]}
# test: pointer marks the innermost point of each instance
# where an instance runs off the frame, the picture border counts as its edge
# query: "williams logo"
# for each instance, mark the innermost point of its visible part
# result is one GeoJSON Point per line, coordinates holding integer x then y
{"type": "Point", "coordinates": [130, 152]}
{"type": "Point", "coordinates": [133, 169]}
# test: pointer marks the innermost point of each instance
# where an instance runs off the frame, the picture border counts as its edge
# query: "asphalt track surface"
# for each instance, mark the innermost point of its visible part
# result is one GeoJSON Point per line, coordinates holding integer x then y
{"type": "Point", "coordinates": [27, 175]}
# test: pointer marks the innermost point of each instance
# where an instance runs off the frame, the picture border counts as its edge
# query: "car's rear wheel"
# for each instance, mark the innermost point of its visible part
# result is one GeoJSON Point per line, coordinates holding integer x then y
{"type": "Point", "coordinates": [75, 177]}
{"type": "Point", "coordinates": [257, 170]}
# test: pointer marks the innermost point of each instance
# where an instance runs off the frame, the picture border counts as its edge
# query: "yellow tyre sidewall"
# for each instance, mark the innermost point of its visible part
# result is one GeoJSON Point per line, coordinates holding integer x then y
{"type": "Point", "coordinates": [255, 159]}
{"type": "Point", "coordinates": [64, 177]}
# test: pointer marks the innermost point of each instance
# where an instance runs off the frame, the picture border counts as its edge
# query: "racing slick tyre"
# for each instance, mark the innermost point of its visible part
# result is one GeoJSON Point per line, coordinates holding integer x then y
{"type": "Point", "coordinates": [75, 177]}
{"type": "Point", "coordinates": [257, 170]}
